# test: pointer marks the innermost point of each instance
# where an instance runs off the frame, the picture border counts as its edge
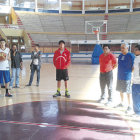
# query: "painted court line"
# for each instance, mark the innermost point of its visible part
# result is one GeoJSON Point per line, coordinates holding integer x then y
{"type": "Point", "coordinates": [68, 127]}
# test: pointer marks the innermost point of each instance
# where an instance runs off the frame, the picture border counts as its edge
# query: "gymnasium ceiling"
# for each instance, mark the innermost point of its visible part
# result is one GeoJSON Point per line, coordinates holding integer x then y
{"type": "Point", "coordinates": [78, 3]}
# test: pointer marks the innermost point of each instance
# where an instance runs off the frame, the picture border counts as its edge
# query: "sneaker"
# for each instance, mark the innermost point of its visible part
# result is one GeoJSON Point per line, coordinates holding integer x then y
{"type": "Point", "coordinates": [119, 105]}
{"type": "Point", "coordinates": [37, 85]}
{"type": "Point", "coordinates": [129, 110]}
{"type": "Point", "coordinates": [136, 115]}
{"type": "Point", "coordinates": [109, 103]}
{"type": "Point", "coordinates": [67, 94]}
{"type": "Point", "coordinates": [101, 100]}
{"type": "Point", "coordinates": [8, 95]}
{"type": "Point", "coordinates": [28, 85]}
{"type": "Point", "coordinates": [57, 94]}
{"type": "Point", "coordinates": [2, 86]}
{"type": "Point", "coordinates": [16, 86]}
{"type": "Point", "coordinates": [10, 88]}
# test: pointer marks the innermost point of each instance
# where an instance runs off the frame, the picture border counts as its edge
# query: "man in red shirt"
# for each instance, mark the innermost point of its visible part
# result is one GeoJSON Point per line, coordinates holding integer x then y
{"type": "Point", "coordinates": [107, 63]}
{"type": "Point", "coordinates": [61, 61]}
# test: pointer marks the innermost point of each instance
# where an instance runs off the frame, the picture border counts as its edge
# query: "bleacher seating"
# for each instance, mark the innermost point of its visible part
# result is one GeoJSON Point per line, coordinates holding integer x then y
{"type": "Point", "coordinates": [53, 27]}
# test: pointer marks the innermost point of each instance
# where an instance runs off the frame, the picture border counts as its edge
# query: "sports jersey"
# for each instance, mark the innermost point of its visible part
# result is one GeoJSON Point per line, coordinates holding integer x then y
{"type": "Point", "coordinates": [125, 65]}
{"type": "Point", "coordinates": [4, 65]}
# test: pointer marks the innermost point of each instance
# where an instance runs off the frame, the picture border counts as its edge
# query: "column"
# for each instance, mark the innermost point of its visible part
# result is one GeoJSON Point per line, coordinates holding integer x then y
{"type": "Point", "coordinates": [60, 6]}
{"type": "Point", "coordinates": [106, 9]}
{"type": "Point", "coordinates": [83, 7]}
{"type": "Point", "coordinates": [10, 2]}
{"type": "Point", "coordinates": [131, 5]}
{"type": "Point", "coordinates": [36, 9]}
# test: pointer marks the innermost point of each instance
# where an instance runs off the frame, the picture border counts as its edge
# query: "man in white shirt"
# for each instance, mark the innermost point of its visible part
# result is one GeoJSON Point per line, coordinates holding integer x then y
{"type": "Point", "coordinates": [4, 66]}
{"type": "Point", "coordinates": [136, 81]}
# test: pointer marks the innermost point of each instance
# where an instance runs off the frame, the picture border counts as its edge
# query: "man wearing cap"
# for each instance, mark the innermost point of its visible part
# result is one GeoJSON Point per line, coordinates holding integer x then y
{"type": "Point", "coordinates": [62, 61]}
{"type": "Point", "coordinates": [125, 68]}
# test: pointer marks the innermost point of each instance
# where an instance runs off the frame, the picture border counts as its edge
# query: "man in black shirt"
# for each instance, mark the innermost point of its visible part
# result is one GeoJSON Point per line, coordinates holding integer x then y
{"type": "Point", "coordinates": [16, 65]}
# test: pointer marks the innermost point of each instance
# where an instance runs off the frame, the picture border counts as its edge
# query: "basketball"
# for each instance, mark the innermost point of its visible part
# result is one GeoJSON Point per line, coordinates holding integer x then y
{"type": "Point", "coordinates": [2, 56]}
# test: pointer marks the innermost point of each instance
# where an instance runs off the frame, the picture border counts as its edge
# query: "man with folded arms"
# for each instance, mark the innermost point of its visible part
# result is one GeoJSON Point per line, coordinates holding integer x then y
{"type": "Point", "coordinates": [107, 63]}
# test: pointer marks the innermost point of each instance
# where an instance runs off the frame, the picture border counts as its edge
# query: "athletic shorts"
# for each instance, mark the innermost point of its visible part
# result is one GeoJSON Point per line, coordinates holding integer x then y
{"type": "Point", "coordinates": [4, 76]}
{"type": "Point", "coordinates": [124, 86]}
{"type": "Point", "coordinates": [62, 75]}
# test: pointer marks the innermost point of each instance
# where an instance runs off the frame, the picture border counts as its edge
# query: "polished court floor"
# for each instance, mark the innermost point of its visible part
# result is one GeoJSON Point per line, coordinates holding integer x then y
{"type": "Point", "coordinates": [32, 113]}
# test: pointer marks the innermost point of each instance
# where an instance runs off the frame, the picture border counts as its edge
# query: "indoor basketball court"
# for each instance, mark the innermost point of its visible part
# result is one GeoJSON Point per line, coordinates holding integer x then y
{"type": "Point", "coordinates": [32, 113]}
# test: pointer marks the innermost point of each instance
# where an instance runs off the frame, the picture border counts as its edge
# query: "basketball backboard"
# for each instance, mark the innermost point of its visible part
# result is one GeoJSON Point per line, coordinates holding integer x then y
{"type": "Point", "coordinates": [96, 25]}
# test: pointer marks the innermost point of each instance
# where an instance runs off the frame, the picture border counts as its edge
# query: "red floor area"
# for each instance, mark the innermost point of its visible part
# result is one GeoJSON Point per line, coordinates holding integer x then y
{"type": "Point", "coordinates": [61, 120]}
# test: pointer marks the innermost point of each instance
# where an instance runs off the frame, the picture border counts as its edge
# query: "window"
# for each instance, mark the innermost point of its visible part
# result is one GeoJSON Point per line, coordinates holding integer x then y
{"type": "Point", "coordinates": [136, 4]}
{"type": "Point", "coordinates": [48, 4]}
{"type": "Point", "coordinates": [95, 4]}
{"type": "Point", "coordinates": [72, 5]}
{"type": "Point", "coordinates": [116, 4]}
{"type": "Point", "coordinates": [4, 2]}
{"type": "Point", "coordinates": [23, 3]}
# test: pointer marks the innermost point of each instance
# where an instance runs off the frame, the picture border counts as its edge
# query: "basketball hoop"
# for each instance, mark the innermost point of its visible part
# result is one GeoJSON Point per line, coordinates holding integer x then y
{"type": "Point", "coordinates": [95, 32]}
{"type": "Point", "coordinates": [96, 27]}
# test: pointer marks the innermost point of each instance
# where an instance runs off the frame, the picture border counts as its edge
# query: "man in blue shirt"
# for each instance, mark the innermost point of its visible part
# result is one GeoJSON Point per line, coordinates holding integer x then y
{"type": "Point", "coordinates": [125, 68]}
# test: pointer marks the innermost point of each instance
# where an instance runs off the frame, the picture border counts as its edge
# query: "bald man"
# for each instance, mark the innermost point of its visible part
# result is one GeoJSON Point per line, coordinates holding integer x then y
{"type": "Point", "coordinates": [125, 68]}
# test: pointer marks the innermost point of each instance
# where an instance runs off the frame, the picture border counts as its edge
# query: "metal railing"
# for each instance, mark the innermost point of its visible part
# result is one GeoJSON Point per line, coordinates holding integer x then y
{"type": "Point", "coordinates": [11, 26]}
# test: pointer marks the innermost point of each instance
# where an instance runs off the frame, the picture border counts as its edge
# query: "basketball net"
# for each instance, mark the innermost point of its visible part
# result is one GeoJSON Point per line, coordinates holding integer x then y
{"type": "Point", "coordinates": [95, 32]}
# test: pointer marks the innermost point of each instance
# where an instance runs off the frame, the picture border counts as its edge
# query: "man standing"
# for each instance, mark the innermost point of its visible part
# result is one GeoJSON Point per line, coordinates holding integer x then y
{"type": "Point", "coordinates": [136, 81]}
{"type": "Point", "coordinates": [16, 65]}
{"type": "Point", "coordinates": [35, 65]}
{"type": "Point", "coordinates": [4, 66]}
{"type": "Point", "coordinates": [107, 63]}
{"type": "Point", "coordinates": [125, 68]}
{"type": "Point", "coordinates": [61, 61]}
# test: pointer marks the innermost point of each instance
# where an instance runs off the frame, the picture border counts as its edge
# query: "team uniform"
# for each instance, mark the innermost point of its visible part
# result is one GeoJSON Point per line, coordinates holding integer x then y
{"type": "Point", "coordinates": [61, 61]}
{"type": "Point", "coordinates": [5, 68]}
{"type": "Point", "coordinates": [107, 63]}
{"type": "Point", "coordinates": [125, 66]}
{"type": "Point", "coordinates": [136, 86]}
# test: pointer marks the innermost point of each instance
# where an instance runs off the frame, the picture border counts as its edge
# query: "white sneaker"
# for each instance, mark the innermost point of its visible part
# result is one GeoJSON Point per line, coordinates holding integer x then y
{"type": "Point", "coordinates": [119, 105]}
{"type": "Point", "coordinates": [136, 115]}
{"type": "Point", "coordinates": [129, 111]}
{"type": "Point", "coordinates": [109, 103]}
{"type": "Point", "coordinates": [101, 101]}
{"type": "Point", "coordinates": [10, 88]}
